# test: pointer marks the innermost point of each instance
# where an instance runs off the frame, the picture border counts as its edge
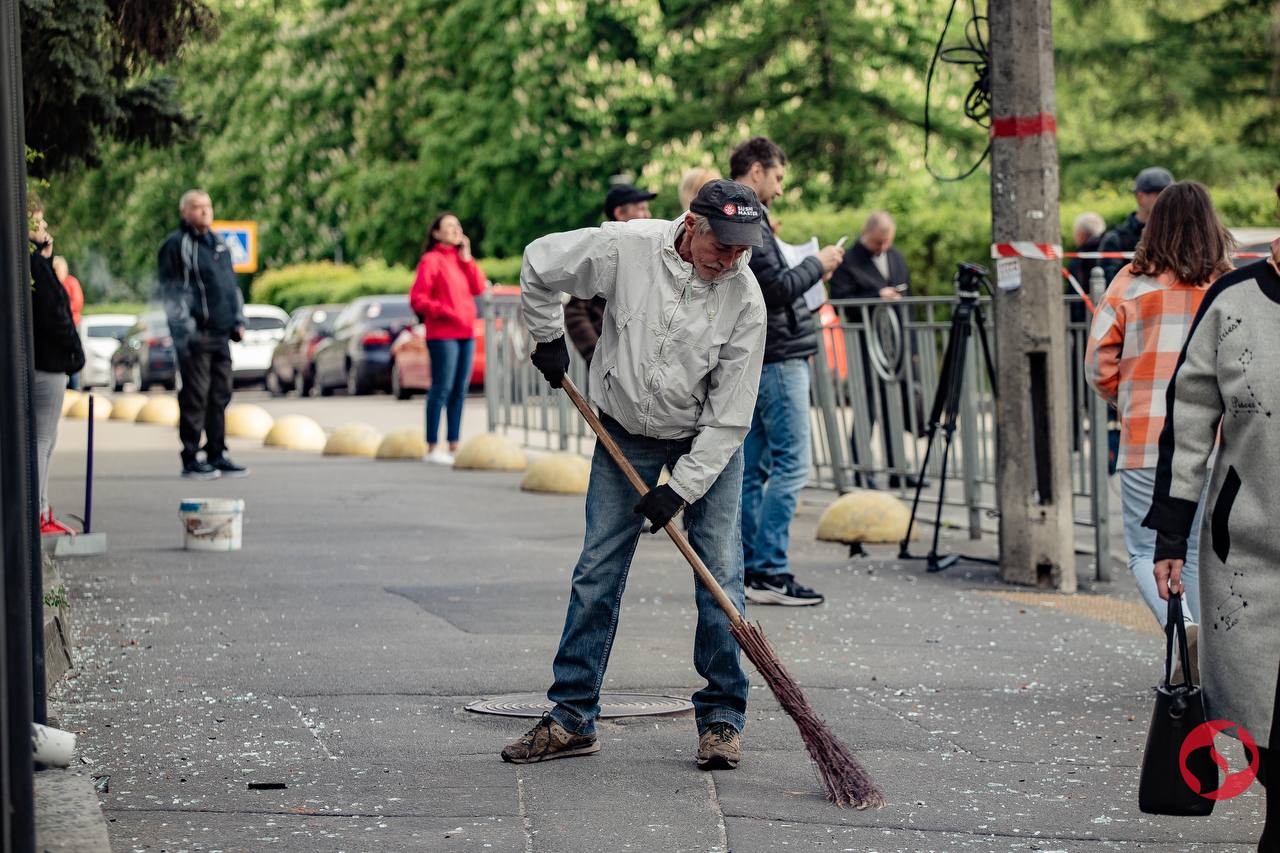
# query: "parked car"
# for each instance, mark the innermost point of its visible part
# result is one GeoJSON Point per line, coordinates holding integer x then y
{"type": "Point", "coordinates": [145, 356]}
{"type": "Point", "coordinates": [411, 365]}
{"type": "Point", "coordinates": [263, 329]}
{"type": "Point", "coordinates": [100, 336]}
{"type": "Point", "coordinates": [293, 360]}
{"type": "Point", "coordinates": [357, 355]}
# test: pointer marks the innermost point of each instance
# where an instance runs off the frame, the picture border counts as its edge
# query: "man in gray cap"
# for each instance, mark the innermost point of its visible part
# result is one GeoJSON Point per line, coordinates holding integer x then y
{"type": "Point", "coordinates": [675, 378]}
{"type": "Point", "coordinates": [1125, 236]}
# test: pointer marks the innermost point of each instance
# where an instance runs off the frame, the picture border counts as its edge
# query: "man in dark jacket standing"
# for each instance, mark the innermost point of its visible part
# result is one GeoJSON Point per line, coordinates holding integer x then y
{"type": "Point", "coordinates": [776, 452]}
{"type": "Point", "coordinates": [583, 318]}
{"type": "Point", "coordinates": [874, 269]}
{"type": "Point", "coordinates": [1125, 236]}
{"type": "Point", "coordinates": [206, 312]}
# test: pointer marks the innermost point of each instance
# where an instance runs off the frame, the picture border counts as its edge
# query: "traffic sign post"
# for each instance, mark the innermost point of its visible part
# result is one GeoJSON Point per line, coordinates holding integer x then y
{"type": "Point", "coordinates": [241, 237]}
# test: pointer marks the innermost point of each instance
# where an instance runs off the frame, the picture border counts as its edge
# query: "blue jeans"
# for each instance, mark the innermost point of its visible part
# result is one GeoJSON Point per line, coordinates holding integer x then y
{"type": "Point", "coordinates": [1136, 488]}
{"type": "Point", "coordinates": [450, 377]}
{"type": "Point", "coordinates": [613, 531]}
{"type": "Point", "coordinates": [776, 458]}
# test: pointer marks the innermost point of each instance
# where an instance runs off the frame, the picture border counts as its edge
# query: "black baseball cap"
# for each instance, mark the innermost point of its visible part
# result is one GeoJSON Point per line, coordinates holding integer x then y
{"type": "Point", "coordinates": [733, 210]}
{"type": "Point", "coordinates": [1152, 180]}
{"type": "Point", "coordinates": [620, 194]}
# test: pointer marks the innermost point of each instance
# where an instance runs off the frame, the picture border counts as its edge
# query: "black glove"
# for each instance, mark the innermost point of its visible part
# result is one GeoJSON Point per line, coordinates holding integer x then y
{"type": "Point", "coordinates": [552, 360]}
{"type": "Point", "coordinates": [660, 505]}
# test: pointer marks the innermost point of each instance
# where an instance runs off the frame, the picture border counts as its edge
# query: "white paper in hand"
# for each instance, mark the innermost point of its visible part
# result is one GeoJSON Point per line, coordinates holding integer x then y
{"type": "Point", "coordinates": [793, 255]}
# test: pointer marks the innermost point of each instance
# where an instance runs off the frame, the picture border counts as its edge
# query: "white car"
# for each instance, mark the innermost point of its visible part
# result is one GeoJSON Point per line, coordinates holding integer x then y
{"type": "Point", "coordinates": [263, 329]}
{"type": "Point", "coordinates": [100, 336]}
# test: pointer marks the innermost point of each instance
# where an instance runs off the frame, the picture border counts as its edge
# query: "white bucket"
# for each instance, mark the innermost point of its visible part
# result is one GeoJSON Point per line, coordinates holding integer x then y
{"type": "Point", "coordinates": [211, 524]}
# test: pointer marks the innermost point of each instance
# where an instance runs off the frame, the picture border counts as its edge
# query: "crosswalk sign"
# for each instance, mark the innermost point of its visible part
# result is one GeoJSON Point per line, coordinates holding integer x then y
{"type": "Point", "coordinates": [241, 237]}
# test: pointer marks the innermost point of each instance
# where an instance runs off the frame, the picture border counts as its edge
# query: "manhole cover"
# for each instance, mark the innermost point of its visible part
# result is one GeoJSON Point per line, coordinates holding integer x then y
{"type": "Point", "coordinates": [611, 705]}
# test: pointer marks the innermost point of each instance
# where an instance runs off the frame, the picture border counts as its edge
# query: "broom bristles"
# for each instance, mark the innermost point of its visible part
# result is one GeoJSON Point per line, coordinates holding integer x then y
{"type": "Point", "coordinates": [847, 783]}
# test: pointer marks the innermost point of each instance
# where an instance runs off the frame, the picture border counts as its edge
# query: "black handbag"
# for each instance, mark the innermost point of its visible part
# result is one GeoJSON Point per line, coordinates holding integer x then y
{"type": "Point", "coordinates": [1179, 710]}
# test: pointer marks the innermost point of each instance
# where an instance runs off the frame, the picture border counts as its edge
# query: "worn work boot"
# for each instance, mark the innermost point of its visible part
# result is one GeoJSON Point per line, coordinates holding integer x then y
{"type": "Point", "coordinates": [548, 740]}
{"type": "Point", "coordinates": [719, 748]}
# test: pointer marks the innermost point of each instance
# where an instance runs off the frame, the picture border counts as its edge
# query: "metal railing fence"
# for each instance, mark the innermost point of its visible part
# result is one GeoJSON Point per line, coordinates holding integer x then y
{"type": "Point", "coordinates": [874, 379]}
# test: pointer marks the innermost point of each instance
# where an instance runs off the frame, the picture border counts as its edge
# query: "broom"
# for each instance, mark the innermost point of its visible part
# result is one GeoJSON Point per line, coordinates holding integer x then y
{"type": "Point", "coordinates": [847, 783]}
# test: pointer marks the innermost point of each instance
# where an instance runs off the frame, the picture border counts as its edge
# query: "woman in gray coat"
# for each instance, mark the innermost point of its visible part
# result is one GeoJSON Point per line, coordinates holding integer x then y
{"type": "Point", "coordinates": [1227, 384]}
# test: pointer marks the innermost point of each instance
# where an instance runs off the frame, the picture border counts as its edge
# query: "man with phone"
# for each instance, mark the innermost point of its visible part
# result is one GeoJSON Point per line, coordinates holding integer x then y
{"type": "Point", "coordinates": [776, 453]}
{"type": "Point", "coordinates": [874, 269]}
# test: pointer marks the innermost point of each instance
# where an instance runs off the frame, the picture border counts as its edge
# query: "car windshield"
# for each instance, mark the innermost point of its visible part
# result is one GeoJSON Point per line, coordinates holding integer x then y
{"type": "Point", "coordinates": [108, 331]}
{"type": "Point", "coordinates": [322, 319]}
{"type": "Point", "coordinates": [257, 324]}
{"type": "Point", "coordinates": [389, 310]}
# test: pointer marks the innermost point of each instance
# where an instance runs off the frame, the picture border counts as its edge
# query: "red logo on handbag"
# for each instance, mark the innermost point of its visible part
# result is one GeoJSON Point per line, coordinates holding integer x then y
{"type": "Point", "coordinates": [730, 209]}
{"type": "Point", "coordinates": [1202, 736]}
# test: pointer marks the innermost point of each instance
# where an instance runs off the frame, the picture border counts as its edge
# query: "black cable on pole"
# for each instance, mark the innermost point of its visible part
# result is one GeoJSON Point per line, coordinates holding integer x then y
{"type": "Point", "coordinates": [977, 102]}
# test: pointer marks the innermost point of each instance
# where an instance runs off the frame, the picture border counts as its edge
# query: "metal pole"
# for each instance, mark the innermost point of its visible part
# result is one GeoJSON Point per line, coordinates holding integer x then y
{"type": "Point", "coordinates": [490, 365]}
{"type": "Point", "coordinates": [1034, 468]}
{"type": "Point", "coordinates": [19, 536]}
{"type": "Point", "coordinates": [824, 395]}
{"type": "Point", "coordinates": [88, 475]}
{"type": "Point", "coordinates": [1098, 449]}
{"type": "Point", "coordinates": [969, 441]}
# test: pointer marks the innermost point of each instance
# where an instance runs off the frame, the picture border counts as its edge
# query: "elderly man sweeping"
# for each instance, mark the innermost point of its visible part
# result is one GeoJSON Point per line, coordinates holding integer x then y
{"type": "Point", "coordinates": [674, 376]}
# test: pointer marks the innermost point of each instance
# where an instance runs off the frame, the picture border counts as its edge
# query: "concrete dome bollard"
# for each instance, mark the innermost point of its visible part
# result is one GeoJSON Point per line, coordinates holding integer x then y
{"type": "Point", "coordinates": [125, 407]}
{"type": "Point", "coordinates": [245, 420]}
{"type": "Point", "coordinates": [69, 398]}
{"type": "Point", "coordinates": [559, 473]}
{"type": "Point", "coordinates": [864, 516]}
{"type": "Point", "coordinates": [161, 411]}
{"type": "Point", "coordinates": [80, 408]}
{"type": "Point", "coordinates": [353, 440]}
{"type": "Point", "coordinates": [296, 432]}
{"type": "Point", "coordinates": [490, 452]}
{"type": "Point", "coordinates": [405, 443]}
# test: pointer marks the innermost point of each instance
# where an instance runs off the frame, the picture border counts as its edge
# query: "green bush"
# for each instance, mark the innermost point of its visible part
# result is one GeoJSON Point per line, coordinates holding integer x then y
{"type": "Point", "coordinates": [501, 270]}
{"type": "Point", "coordinates": [115, 308]}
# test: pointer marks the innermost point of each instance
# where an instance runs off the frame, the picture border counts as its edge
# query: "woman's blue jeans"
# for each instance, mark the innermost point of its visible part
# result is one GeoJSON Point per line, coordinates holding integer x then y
{"type": "Point", "coordinates": [1137, 485]}
{"type": "Point", "coordinates": [450, 377]}
{"type": "Point", "coordinates": [613, 531]}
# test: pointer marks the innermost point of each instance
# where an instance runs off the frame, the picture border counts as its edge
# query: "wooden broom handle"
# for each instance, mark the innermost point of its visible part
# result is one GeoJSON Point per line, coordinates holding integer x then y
{"type": "Point", "coordinates": [695, 562]}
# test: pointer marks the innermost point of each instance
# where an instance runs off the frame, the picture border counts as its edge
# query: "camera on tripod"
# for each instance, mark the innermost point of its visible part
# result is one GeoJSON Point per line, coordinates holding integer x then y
{"type": "Point", "coordinates": [966, 319]}
{"type": "Point", "coordinates": [971, 280]}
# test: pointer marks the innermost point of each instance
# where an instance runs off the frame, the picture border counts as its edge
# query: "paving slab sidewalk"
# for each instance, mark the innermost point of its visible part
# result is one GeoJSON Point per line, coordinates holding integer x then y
{"type": "Point", "coordinates": [372, 601]}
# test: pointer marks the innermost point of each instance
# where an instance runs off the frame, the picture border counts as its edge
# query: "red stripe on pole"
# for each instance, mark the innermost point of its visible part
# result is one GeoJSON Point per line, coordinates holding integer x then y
{"type": "Point", "coordinates": [1019, 126]}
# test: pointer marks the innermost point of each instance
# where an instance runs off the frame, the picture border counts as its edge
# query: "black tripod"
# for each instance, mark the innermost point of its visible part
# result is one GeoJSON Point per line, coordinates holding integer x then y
{"type": "Point", "coordinates": [970, 280]}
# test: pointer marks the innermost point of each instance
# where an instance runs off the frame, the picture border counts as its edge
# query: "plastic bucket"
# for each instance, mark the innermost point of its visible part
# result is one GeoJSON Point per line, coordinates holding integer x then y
{"type": "Point", "coordinates": [211, 524]}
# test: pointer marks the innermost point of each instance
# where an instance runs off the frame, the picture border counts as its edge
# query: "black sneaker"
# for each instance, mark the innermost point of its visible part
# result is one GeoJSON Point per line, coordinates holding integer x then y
{"type": "Point", "coordinates": [780, 589]}
{"type": "Point", "coordinates": [227, 468]}
{"type": "Point", "coordinates": [200, 471]}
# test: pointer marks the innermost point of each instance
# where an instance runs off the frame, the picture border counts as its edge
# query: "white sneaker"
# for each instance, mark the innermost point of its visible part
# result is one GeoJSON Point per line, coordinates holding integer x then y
{"type": "Point", "coordinates": [439, 457]}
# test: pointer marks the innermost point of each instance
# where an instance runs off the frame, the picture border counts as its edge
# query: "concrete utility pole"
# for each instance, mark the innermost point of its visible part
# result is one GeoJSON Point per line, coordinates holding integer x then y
{"type": "Point", "coordinates": [1032, 413]}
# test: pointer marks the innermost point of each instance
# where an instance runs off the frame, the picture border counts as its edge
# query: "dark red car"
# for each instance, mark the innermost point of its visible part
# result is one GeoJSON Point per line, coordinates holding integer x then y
{"type": "Point", "coordinates": [411, 366]}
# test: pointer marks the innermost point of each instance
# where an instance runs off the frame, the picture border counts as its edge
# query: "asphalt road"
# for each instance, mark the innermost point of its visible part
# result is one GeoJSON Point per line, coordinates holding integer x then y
{"type": "Point", "coordinates": [372, 601]}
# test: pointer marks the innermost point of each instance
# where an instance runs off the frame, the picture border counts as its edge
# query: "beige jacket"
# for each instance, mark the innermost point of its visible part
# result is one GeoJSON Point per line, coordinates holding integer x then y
{"type": "Point", "coordinates": [678, 356]}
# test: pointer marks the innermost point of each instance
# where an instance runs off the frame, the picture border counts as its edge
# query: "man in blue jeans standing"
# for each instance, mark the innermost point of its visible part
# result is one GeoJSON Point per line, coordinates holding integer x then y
{"type": "Point", "coordinates": [674, 376]}
{"type": "Point", "coordinates": [776, 453]}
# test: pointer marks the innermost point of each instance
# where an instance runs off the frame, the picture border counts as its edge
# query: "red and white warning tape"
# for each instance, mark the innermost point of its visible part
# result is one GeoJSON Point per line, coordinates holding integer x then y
{"type": "Point", "coordinates": [1053, 252]}
{"type": "Point", "coordinates": [1026, 249]}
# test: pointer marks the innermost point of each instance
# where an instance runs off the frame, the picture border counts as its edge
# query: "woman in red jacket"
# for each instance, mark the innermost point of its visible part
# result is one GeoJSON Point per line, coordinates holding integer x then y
{"type": "Point", "coordinates": [443, 295]}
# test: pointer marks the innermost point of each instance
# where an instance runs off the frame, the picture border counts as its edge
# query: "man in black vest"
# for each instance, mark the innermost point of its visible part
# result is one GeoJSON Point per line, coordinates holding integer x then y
{"type": "Point", "coordinates": [205, 310]}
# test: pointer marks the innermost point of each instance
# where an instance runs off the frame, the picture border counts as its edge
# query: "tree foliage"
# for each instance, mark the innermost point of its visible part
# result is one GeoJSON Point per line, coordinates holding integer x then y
{"type": "Point", "coordinates": [343, 127]}
{"type": "Point", "coordinates": [85, 68]}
